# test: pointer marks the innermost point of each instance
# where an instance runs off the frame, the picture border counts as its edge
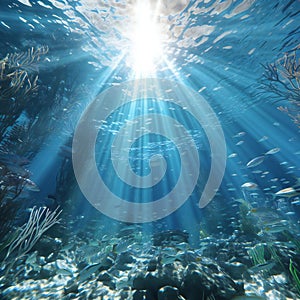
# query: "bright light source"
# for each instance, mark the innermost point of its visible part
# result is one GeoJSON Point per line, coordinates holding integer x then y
{"type": "Point", "coordinates": [146, 44]}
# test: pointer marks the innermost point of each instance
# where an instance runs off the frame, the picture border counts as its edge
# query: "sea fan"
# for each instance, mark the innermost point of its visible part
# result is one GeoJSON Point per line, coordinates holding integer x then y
{"type": "Point", "coordinates": [282, 78]}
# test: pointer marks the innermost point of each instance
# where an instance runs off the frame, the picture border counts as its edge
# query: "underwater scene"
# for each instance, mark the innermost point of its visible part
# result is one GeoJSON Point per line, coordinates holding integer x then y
{"type": "Point", "coordinates": [150, 149]}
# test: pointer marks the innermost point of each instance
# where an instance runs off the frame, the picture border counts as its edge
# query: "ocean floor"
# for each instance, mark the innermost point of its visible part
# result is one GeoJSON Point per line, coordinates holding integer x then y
{"type": "Point", "coordinates": [164, 266]}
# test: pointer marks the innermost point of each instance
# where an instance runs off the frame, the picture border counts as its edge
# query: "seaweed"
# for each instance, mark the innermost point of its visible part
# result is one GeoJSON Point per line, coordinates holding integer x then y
{"type": "Point", "coordinates": [295, 274]}
{"type": "Point", "coordinates": [257, 254]}
{"type": "Point", "coordinates": [25, 237]}
{"type": "Point", "coordinates": [247, 224]}
{"type": "Point", "coordinates": [18, 82]}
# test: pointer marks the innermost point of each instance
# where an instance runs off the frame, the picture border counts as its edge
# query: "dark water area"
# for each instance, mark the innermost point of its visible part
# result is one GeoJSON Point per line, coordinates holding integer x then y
{"type": "Point", "coordinates": [149, 149]}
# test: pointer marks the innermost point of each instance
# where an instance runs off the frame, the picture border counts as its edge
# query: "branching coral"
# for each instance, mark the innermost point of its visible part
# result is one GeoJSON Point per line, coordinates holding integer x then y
{"type": "Point", "coordinates": [282, 78]}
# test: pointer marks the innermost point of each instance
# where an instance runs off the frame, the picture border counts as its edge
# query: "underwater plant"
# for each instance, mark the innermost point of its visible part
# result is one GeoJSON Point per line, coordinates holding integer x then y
{"type": "Point", "coordinates": [40, 220]}
{"type": "Point", "coordinates": [257, 254]}
{"type": "Point", "coordinates": [247, 224]}
{"type": "Point", "coordinates": [295, 274]}
{"type": "Point", "coordinates": [18, 81]}
{"type": "Point", "coordinates": [282, 79]}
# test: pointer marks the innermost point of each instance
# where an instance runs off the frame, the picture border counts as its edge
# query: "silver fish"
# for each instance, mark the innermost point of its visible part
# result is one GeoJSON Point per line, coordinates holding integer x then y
{"type": "Point", "coordinates": [255, 161]}
{"type": "Point", "coordinates": [272, 151]}
{"type": "Point", "coordinates": [88, 271]}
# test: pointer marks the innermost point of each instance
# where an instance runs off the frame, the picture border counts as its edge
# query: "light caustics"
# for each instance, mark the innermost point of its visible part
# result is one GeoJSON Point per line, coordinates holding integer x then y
{"type": "Point", "coordinates": [145, 49]}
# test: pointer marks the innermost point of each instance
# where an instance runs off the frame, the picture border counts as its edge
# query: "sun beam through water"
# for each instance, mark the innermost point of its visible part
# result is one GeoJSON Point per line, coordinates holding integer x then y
{"type": "Point", "coordinates": [146, 47]}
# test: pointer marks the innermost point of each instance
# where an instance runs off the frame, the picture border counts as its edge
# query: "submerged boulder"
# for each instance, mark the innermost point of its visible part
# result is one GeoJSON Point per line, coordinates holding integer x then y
{"type": "Point", "coordinates": [164, 238]}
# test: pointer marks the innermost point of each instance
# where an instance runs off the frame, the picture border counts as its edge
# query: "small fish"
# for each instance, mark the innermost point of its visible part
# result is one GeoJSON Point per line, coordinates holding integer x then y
{"type": "Point", "coordinates": [255, 161]}
{"type": "Point", "coordinates": [263, 267]}
{"type": "Point", "coordinates": [288, 192]}
{"type": "Point", "coordinates": [239, 143]}
{"type": "Point", "coordinates": [249, 185]}
{"type": "Point", "coordinates": [240, 134]}
{"type": "Point", "coordinates": [122, 246]}
{"type": "Point", "coordinates": [64, 272]}
{"type": "Point", "coordinates": [168, 259]}
{"type": "Point", "coordinates": [264, 138]}
{"type": "Point", "coordinates": [290, 213]}
{"type": "Point", "coordinates": [296, 202]}
{"type": "Point", "coordinates": [88, 271]}
{"type": "Point", "coordinates": [275, 229]}
{"type": "Point", "coordinates": [272, 151]}
{"type": "Point", "coordinates": [232, 155]}
{"type": "Point", "coordinates": [30, 185]}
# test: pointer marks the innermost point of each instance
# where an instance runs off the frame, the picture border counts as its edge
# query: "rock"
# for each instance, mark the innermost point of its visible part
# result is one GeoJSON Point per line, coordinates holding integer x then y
{"type": "Point", "coordinates": [168, 293]}
{"type": "Point", "coordinates": [104, 276]}
{"type": "Point", "coordinates": [207, 279]}
{"type": "Point", "coordinates": [125, 258]}
{"type": "Point", "coordinates": [64, 268]}
{"type": "Point", "coordinates": [164, 238]}
{"type": "Point", "coordinates": [139, 295]}
{"type": "Point", "coordinates": [107, 279]}
{"type": "Point", "coordinates": [45, 273]}
{"type": "Point", "coordinates": [47, 246]}
{"type": "Point", "coordinates": [170, 274]}
{"type": "Point", "coordinates": [106, 263]}
{"type": "Point", "coordinates": [210, 250]}
{"type": "Point", "coordinates": [143, 295]}
{"type": "Point", "coordinates": [234, 269]}
{"type": "Point", "coordinates": [152, 265]}
{"type": "Point", "coordinates": [49, 269]}
{"type": "Point", "coordinates": [72, 287]}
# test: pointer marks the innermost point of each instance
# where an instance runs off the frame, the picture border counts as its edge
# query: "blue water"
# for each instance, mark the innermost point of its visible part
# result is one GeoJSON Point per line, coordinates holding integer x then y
{"type": "Point", "coordinates": [220, 50]}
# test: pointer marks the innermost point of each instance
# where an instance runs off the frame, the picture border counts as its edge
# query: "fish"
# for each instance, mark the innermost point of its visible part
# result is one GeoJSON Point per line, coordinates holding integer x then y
{"type": "Point", "coordinates": [265, 215]}
{"type": "Point", "coordinates": [290, 213]}
{"type": "Point", "coordinates": [272, 151]}
{"type": "Point", "coordinates": [275, 229]}
{"type": "Point", "coordinates": [296, 202]}
{"type": "Point", "coordinates": [263, 267]}
{"type": "Point", "coordinates": [249, 185]}
{"type": "Point", "coordinates": [122, 246]}
{"type": "Point", "coordinates": [85, 273]}
{"type": "Point", "coordinates": [264, 138]}
{"type": "Point", "coordinates": [64, 272]}
{"type": "Point", "coordinates": [288, 192]}
{"type": "Point", "coordinates": [31, 186]}
{"type": "Point", "coordinates": [240, 134]}
{"type": "Point", "coordinates": [255, 161]}
{"type": "Point", "coordinates": [165, 260]}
